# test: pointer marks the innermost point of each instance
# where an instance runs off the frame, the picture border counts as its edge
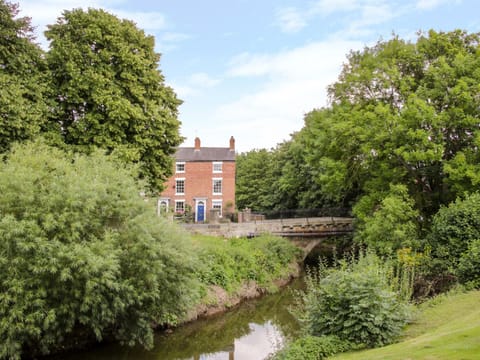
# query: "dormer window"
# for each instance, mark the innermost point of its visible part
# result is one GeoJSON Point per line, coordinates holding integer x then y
{"type": "Point", "coordinates": [217, 166]}
{"type": "Point", "coordinates": [179, 167]}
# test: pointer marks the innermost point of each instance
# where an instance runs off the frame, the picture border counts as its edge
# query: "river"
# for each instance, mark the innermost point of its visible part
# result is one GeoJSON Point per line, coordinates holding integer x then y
{"type": "Point", "coordinates": [250, 331]}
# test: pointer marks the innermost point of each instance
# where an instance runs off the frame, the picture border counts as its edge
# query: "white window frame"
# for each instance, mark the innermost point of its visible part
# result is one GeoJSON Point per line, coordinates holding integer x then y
{"type": "Point", "coordinates": [214, 180]}
{"type": "Point", "coordinates": [176, 167]}
{"type": "Point", "coordinates": [183, 206]}
{"type": "Point", "coordinates": [160, 209]}
{"type": "Point", "coordinates": [217, 164]}
{"type": "Point", "coordinates": [176, 186]}
{"type": "Point", "coordinates": [218, 204]}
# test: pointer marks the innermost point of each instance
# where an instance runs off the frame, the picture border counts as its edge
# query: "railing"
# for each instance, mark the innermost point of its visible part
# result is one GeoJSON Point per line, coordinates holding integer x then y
{"type": "Point", "coordinates": [305, 213]}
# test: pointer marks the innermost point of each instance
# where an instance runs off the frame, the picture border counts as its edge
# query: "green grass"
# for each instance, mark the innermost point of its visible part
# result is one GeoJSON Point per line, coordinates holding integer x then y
{"type": "Point", "coordinates": [234, 262]}
{"type": "Point", "coordinates": [445, 328]}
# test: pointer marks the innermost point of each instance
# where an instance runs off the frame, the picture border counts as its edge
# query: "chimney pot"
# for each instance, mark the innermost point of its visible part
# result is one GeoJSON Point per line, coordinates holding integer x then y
{"type": "Point", "coordinates": [197, 143]}
{"type": "Point", "coordinates": [232, 143]}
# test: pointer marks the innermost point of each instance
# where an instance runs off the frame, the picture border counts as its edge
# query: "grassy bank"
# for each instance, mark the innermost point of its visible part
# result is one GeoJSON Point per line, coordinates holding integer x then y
{"type": "Point", "coordinates": [229, 263]}
{"type": "Point", "coordinates": [232, 270]}
{"type": "Point", "coordinates": [445, 328]}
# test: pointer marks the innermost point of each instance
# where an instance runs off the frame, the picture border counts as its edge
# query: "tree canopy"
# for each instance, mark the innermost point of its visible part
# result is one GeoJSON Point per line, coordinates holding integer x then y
{"type": "Point", "coordinates": [23, 105]}
{"type": "Point", "coordinates": [81, 254]}
{"type": "Point", "coordinates": [109, 92]}
{"type": "Point", "coordinates": [401, 113]}
{"type": "Point", "coordinates": [404, 113]}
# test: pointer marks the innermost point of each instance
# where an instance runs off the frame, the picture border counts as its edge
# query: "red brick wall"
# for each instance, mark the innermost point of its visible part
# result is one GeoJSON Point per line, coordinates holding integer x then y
{"type": "Point", "coordinates": [199, 184]}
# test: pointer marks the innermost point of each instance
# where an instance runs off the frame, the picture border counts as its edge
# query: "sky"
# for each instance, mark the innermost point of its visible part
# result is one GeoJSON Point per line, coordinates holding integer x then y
{"type": "Point", "coordinates": [253, 68]}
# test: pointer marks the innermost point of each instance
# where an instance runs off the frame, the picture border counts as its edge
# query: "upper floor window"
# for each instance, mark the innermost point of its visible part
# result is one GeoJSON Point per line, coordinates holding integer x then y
{"type": "Point", "coordinates": [179, 186]}
{"type": "Point", "coordinates": [217, 166]}
{"type": "Point", "coordinates": [180, 167]}
{"type": "Point", "coordinates": [217, 186]}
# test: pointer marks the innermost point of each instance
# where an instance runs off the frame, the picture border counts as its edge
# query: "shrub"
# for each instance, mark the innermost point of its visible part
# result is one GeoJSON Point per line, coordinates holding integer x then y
{"type": "Point", "coordinates": [468, 269]}
{"type": "Point", "coordinates": [81, 252]}
{"type": "Point", "coordinates": [453, 229]}
{"type": "Point", "coordinates": [354, 302]}
{"type": "Point", "coordinates": [228, 263]}
{"type": "Point", "coordinates": [313, 348]}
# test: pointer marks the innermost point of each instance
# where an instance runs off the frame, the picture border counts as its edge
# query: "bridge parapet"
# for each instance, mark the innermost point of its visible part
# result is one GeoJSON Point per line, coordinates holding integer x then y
{"type": "Point", "coordinates": [296, 227]}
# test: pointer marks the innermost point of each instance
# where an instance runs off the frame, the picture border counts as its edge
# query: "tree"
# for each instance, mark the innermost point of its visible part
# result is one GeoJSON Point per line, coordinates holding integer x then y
{"type": "Point", "coordinates": [402, 113]}
{"type": "Point", "coordinates": [255, 178]}
{"type": "Point", "coordinates": [392, 226]}
{"type": "Point", "coordinates": [109, 92]}
{"type": "Point", "coordinates": [81, 254]}
{"type": "Point", "coordinates": [296, 185]}
{"type": "Point", "coordinates": [23, 87]}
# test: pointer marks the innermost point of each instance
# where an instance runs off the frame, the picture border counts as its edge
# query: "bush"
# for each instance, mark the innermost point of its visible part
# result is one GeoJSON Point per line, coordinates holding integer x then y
{"type": "Point", "coordinates": [81, 252]}
{"type": "Point", "coordinates": [354, 302]}
{"type": "Point", "coordinates": [453, 229]}
{"type": "Point", "coordinates": [468, 269]}
{"type": "Point", "coordinates": [313, 348]}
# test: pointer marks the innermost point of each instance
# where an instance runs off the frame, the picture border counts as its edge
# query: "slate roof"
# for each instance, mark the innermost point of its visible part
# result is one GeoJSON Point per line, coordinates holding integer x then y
{"type": "Point", "coordinates": [204, 154]}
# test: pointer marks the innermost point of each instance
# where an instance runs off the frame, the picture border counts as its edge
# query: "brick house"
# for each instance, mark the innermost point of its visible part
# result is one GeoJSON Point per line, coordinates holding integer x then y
{"type": "Point", "coordinates": [203, 180]}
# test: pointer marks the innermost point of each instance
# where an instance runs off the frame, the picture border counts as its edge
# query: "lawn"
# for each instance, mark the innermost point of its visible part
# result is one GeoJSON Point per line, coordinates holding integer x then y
{"type": "Point", "coordinates": [446, 328]}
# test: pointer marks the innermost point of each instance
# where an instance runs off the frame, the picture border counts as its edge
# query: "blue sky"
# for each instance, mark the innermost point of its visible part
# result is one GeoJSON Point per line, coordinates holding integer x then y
{"type": "Point", "coordinates": [253, 68]}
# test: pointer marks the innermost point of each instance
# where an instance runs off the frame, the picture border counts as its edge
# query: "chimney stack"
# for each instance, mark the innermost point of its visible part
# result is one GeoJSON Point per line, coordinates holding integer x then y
{"type": "Point", "coordinates": [197, 143]}
{"type": "Point", "coordinates": [232, 143]}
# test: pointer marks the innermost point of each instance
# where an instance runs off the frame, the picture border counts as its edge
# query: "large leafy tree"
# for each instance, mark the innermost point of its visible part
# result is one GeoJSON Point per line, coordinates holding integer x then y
{"type": "Point", "coordinates": [109, 91]}
{"type": "Point", "coordinates": [255, 178]}
{"type": "Point", "coordinates": [81, 254]}
{"type": "Point", "coordinates": [23, 109]}
{"type": "Point", "coordinates": [402, 113]}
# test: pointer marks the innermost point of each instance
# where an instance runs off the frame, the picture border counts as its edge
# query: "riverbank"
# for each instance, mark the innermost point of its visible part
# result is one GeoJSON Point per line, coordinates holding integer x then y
{"type": "Point", "coordinates": [219, 300]}
{"type": "Point", "coordinates": [228, 272]}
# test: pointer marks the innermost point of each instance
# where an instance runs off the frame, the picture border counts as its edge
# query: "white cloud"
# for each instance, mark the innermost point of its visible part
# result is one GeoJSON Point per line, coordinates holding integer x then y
{"type": "Point", "coordinates": [326, 7]}
{"type": "Point", "coordinates": [203, 80]}
{"type": "Point", "coordinates": [46, 12]}
{"type": "Point", "coordinates": [430, 4]}
{"type": "Point", "coordinates": [194, 85]}
{"type": "Point", "coordinates": [358, 14]}
{"type": "Point", "coordinates": [296, 83]}
{"type": "Point", "coordinates": [291, 20]}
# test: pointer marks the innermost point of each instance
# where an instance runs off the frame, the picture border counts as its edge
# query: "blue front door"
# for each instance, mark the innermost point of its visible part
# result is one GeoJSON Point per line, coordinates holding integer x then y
{"type": "Point", "coordinates": [200, 211]}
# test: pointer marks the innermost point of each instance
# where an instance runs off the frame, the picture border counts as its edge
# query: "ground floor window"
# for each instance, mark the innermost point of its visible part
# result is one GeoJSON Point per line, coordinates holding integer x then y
{"type": "Point", "coordinates": [162, 206]}
{"type": "Point", "coordinates": [180, 206]}
{"type": "Point", "coordinates": [217, 205]}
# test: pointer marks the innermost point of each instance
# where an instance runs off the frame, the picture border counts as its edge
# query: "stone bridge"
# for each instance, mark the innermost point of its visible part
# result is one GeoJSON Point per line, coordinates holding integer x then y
{"type": "Point", "coordinates": [305, 233]}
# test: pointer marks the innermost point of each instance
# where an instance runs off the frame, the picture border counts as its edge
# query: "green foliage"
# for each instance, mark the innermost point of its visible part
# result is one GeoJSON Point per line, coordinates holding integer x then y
{"type": "Point", "coordinates": [229, 263]}
{"type": "Point", "coordinates": [446, 327]}
{"type": "Point", "coordinates": [81, 252]}
{"type": "Point", "coordinates": [402, 113]}
{"type": "Point", "coordinates": [313, 348]}
{"type": "Point", "coordinates": [468, 269]}
{"type": "Point", "coordinates": [255, 175]}
{"type": "Point", "coordinates": [279, 179]}
{"type": "Point", "coordinates": [453, 229]}
{"type": "Point", "coordinates": [355, 302]}
{"type": "Point", "coordinates": [22, 79]}
{"type": "Point", "coordinates": [109, 92]}
{"type": "Point", "coordinates": [392, 226]}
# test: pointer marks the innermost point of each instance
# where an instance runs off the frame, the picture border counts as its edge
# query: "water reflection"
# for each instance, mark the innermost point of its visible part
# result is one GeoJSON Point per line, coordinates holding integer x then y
{"type": "Point", "coordinates": [251, 331]}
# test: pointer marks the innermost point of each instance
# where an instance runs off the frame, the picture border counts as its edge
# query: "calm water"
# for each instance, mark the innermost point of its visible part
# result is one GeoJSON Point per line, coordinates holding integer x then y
{"type": "Point", "coordinates": [250, 331]}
